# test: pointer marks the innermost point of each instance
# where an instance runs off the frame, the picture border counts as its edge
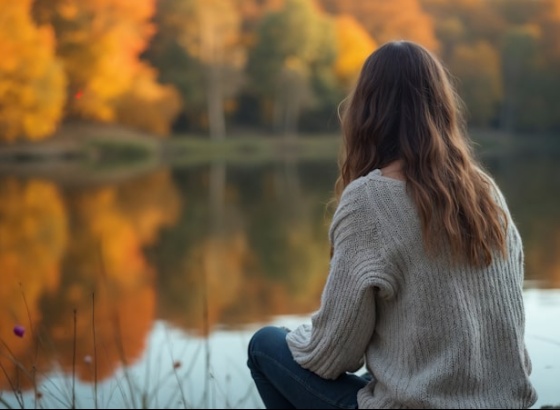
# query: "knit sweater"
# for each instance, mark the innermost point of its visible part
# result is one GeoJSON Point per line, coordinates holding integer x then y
{"type": "Point", "coordinates": [433, 334]}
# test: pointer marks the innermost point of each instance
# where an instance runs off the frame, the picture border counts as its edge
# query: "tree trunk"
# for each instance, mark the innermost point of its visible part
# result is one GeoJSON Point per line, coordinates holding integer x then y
{"type": "Point", "coordinates": [216, 115]}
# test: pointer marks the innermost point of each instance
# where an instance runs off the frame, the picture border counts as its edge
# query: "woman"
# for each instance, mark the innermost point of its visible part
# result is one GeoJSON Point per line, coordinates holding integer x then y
{"type": "Point", "coordinates": [426, 273]}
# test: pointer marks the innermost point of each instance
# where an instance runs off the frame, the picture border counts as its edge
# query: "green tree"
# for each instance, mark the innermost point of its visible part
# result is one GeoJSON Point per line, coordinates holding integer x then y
{"type": "Point", "coordinates": [291, 62]}
{"type": "Point", "coordinates": [530, 54]}
{"type": "Point", "coordinates": [519, 54]}
{"type": "Point", "coordinates": [198, 48]}
{"type": "Point", "coordinates": [550, 33]}
{"type": "Point", "coordinates": [182, 71]}
{"type": "Point", "coordinates": [32, 81]}
{"type": "Point", "coordinates": [466, 22]}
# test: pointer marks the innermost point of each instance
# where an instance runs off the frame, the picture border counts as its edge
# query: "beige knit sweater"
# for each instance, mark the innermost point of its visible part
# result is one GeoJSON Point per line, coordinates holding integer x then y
{"type": "Point", "coordinates": [432, 335]}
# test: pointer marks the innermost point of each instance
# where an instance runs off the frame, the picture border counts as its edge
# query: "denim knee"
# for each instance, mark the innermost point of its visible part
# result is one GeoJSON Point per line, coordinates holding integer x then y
{"type": "Point", "coordinates": [266, 339]}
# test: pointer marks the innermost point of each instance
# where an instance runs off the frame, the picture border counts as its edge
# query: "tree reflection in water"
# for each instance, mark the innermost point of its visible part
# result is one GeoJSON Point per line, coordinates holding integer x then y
{"type": "Point", "coordinates": [200, 249]}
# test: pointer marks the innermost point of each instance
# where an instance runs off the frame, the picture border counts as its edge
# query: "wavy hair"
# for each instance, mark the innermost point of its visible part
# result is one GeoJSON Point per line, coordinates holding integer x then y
{"type": "Point", "coordinates": [404, 107]}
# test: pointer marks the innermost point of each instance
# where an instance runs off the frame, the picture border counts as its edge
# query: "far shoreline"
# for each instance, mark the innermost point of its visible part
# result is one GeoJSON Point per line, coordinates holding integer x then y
{"type": "Point", "coordinates": [82, 152]}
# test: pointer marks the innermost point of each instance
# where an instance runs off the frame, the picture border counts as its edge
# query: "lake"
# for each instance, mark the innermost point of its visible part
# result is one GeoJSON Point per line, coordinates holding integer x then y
{"type": "Point", "coordinates": [144, 292]}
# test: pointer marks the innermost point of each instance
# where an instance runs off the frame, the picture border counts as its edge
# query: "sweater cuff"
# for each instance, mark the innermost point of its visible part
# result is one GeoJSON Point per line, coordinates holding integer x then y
{"type": "Point", "coordinates": [298, 340]}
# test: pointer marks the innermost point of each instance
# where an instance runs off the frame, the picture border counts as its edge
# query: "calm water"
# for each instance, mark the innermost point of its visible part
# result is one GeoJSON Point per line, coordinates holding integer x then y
{"type": "Point", "coordinates": [144, 293]}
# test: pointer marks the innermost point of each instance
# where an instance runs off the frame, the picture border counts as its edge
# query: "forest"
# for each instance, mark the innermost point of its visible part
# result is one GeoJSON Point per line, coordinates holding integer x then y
{"type": "Point", "coordinates": [266, 67]}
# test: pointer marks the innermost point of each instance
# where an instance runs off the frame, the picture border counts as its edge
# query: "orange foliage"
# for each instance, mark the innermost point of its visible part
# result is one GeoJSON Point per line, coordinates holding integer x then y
{"type": "Point", "coordinates": [100, 42]}
{"type": "Point", "coordinates": [148, 105]}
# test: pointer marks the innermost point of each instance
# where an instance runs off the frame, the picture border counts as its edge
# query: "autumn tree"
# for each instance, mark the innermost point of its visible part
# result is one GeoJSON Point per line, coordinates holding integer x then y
{"type": "Point", "coordinates": [529, 65]}
{"type": "Point", "coordinates": [518, 62]}
{"type": "Point", "coordinates": [464, 22]}
{"type": "Point", "coordinates": [198, 48]}
{"type": "Point", "coordinates": [291, 61]}
{"type": "Point", "coordinates": [252, 12]}
{"type": "Point", "coordinates": [32, 81]}
{"type": "Point", "coordinates": [99, 42]}
{"type": "Point", "coordinates": [549, 23]}
{"type": "Point", "coordinates": [389, 20]}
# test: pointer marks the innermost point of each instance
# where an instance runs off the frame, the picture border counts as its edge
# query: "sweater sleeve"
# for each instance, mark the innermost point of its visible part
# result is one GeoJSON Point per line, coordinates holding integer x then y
{"type": "Point", "coordinates": [341, 329]}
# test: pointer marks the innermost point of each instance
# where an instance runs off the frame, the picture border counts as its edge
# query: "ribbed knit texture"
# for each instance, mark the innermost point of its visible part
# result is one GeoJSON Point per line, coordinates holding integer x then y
{"type": "Point", "coordinates": [433, 334]}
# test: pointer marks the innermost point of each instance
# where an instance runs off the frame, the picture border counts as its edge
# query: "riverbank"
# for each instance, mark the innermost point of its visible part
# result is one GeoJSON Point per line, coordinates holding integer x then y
{"type": "Point", "coordinates": [98, 153]}
{"type": "Point", "coordinates": [81, 153]}
{"type": "Point", "coordinates": [108, 143]}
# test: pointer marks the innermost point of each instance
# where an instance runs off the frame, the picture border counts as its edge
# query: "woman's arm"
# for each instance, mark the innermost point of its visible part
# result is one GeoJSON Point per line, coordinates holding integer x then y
{"type": "Point", "coordinates": [341, 329]}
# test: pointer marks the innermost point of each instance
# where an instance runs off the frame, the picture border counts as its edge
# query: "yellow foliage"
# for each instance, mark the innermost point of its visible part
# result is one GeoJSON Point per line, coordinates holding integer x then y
{"type": "Point", "coordinates": [354, 46]}
{"type": "Point", "coordinates": [32, 82]}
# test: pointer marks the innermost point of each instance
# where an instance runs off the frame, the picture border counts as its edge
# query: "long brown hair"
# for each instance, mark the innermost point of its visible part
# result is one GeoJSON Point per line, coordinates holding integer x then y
{"type": "Point", "coordinates": [404, 107]}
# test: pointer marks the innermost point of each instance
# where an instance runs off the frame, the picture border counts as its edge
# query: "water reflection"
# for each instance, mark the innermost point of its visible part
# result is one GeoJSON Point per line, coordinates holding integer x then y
{"type": "Point", "coordinates": [88, 295]}
{"type": "Point", "coordinates": [531, 183]}
{"type": "Point", "coordinates": [90, 270]}
{"type": "Point", "coordinates": [254, 247]}
{"type": "Point", "coordinates": [33, 241]}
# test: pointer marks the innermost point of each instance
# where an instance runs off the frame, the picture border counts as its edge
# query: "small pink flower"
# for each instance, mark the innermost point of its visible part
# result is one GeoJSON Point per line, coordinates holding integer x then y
{"type": "Point", "coordinates": [19, 330]}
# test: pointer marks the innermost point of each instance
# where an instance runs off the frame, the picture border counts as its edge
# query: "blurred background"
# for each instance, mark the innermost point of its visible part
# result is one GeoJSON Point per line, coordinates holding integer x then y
{"type": "Point", "coordinates": [165, 167]}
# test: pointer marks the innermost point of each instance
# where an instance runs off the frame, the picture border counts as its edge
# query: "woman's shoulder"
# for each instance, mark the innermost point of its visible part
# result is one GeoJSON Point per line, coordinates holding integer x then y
{"type": "Point", "coordinates": [372, 183]}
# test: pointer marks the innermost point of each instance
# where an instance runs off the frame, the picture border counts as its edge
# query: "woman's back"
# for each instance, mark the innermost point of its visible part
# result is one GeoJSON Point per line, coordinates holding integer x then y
{"type": "Point", "coordinates": [446, 335]}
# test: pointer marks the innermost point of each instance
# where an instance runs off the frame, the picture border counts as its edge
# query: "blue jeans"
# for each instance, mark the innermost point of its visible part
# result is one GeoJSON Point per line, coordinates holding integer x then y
{"type": "Point", "coordinates": [283, 384]}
